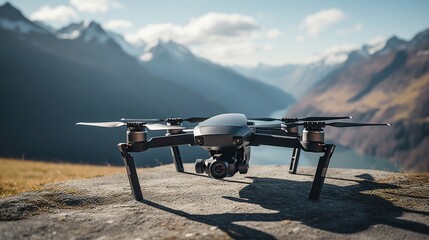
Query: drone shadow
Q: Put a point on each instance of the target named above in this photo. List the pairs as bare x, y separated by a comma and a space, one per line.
341, 209
224, 179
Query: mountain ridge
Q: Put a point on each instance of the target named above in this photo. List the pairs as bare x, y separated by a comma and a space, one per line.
48, 84
389, 86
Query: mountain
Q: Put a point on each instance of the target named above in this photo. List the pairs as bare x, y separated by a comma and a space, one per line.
297, 79
391, 85
84, 31
72, 31
13, 20
47, 84
75, 30
233, 91
136, 50
393, 44
294, 79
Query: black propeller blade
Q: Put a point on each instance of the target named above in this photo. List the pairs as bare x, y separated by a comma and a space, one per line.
307, 119
343, 124
336, 124
318, 124
268, 126
195, 119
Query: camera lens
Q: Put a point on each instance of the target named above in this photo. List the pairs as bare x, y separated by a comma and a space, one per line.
218, 169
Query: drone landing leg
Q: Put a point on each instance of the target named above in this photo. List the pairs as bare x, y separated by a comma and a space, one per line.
294, 161
177, 159
322, 167
132, 172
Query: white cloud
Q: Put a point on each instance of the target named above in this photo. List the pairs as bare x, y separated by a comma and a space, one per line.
315, 23
273, 33
232, 54
56, 16
94, 6
117, 24
300, 38
146, 57
211, 27
224, 38
333, 55
356, 28
376, 40
376, 43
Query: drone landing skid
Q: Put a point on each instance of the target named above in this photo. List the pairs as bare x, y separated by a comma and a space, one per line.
177, 159
322, 167
294, 161
131, 171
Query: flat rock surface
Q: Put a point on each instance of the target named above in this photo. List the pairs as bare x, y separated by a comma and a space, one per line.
266, 203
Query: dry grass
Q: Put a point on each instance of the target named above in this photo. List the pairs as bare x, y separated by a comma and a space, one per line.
18, 176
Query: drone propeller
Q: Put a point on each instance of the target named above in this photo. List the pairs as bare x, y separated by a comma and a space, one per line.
343, 124
307, 119
158, 126
191, 119
153, 127
318, 124
102, 124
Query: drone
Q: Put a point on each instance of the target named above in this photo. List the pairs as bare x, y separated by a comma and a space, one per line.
228, 138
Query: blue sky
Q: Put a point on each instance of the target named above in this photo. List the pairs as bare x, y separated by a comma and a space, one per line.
245, 32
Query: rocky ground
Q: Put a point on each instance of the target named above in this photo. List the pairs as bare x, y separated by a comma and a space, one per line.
267, 203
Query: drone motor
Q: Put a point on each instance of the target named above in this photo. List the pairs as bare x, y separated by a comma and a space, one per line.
136, 132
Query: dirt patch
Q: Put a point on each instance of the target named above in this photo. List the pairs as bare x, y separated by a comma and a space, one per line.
51, 198
267, 203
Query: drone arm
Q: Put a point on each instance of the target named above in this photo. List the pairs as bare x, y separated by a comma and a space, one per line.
171, 140
275, 140
278, 132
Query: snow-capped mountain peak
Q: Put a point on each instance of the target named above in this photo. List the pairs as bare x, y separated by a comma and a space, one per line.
13, 20
172, 49
94, 32
135, 50
392, 44
72, 31
86, 31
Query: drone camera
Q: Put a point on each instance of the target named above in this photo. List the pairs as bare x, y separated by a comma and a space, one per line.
214, 167
218, 169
